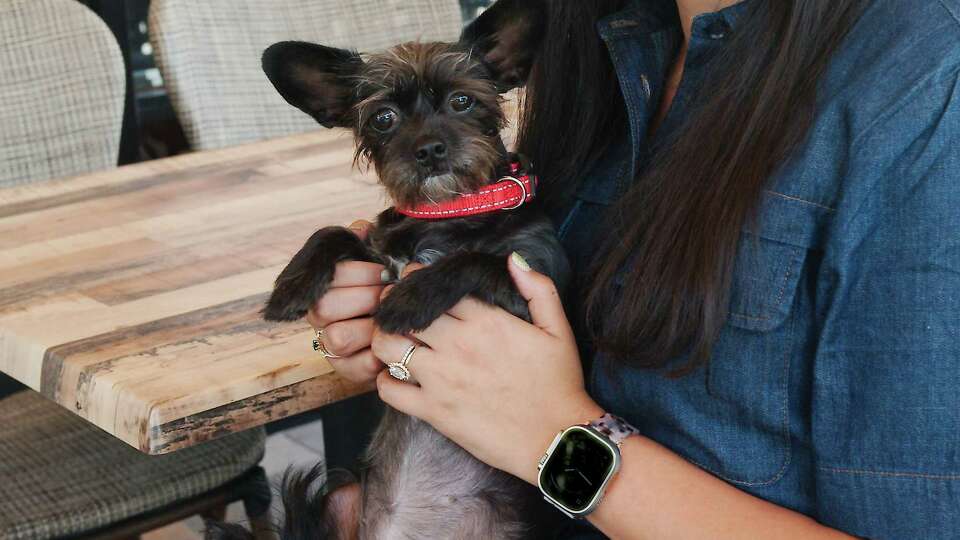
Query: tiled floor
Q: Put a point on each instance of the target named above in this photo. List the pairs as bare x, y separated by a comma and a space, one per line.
300, 446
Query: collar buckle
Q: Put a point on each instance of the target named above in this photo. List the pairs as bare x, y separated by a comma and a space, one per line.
523, 190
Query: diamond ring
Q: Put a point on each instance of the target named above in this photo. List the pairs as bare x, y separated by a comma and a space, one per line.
398, 370
319, 346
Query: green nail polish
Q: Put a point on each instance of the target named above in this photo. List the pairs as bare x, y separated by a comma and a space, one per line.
519, 261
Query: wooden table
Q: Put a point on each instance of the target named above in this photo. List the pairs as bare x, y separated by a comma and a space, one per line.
130, 297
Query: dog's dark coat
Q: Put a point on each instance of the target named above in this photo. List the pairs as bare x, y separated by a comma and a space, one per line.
416, 483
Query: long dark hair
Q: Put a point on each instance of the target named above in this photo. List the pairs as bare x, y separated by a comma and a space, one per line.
678, 228
572, 108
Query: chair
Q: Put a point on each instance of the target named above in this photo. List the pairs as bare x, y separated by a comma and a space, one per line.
64, 478
61, 108
62, 86
209, 54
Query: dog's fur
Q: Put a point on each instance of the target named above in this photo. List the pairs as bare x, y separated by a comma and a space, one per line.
415, 482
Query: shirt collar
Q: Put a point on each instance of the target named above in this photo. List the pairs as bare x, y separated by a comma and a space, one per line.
656, 15
641, 16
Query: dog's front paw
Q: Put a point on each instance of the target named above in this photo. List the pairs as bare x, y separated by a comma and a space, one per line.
295, 292
423, 296
309, 274
414, 303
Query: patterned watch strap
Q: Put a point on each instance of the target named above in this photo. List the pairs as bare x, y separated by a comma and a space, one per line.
615, 428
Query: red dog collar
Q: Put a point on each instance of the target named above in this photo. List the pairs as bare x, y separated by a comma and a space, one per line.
510, 193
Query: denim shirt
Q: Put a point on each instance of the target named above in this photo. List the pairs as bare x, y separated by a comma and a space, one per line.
834, 388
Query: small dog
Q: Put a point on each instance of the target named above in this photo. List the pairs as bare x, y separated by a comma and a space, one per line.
428, 116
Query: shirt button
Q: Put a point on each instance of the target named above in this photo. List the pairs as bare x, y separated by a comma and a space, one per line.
717, 29
645, 85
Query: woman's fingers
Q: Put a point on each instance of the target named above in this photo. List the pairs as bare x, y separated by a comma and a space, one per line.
357, 274
408, 269
402, 396
350, 341
439, 330
343, 338
542, 297
391, 348
344, 303
412, 267
361, 227
361, 367
469, 308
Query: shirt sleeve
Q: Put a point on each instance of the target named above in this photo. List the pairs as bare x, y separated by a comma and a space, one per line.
885, 416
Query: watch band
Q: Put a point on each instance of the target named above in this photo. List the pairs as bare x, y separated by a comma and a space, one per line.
614, 428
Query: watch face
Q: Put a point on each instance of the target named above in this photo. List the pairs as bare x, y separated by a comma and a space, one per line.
577, 469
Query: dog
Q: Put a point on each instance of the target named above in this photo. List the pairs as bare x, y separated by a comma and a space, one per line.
428, 116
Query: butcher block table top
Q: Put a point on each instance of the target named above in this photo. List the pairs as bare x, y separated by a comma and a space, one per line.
131, 297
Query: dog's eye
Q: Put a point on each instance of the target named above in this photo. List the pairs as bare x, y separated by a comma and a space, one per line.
461, 102
384, 120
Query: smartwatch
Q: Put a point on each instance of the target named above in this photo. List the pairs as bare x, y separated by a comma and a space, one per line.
578, 465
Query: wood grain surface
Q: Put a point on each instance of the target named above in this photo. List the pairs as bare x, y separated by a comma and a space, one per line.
131, 297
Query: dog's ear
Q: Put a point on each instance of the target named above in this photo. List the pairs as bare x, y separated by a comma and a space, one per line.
508, 35
317, 80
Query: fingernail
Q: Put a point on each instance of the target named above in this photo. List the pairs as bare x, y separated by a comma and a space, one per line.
519, 262
385, 275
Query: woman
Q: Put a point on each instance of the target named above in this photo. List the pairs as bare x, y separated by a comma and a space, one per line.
775, 301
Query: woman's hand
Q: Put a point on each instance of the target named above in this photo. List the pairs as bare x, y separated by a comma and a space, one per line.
344, 311
496, 385
502, 389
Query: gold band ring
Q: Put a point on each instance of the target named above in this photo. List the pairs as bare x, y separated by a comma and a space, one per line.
320, 347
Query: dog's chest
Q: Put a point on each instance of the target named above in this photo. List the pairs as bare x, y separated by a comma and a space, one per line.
396, 263
403, 243
400, 243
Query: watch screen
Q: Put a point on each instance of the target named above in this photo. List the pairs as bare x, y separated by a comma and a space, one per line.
576, 469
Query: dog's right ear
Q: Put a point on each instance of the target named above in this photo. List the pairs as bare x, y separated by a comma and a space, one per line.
508, 35
316, 79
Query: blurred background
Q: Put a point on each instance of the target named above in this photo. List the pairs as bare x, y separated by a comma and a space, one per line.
214, 96
150, 127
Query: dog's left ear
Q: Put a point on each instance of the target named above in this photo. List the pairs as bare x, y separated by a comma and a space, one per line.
316, 79
508, 34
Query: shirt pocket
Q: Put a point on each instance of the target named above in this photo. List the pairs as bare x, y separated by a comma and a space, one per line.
767, 331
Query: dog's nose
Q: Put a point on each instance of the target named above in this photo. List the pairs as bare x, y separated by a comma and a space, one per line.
430, 152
